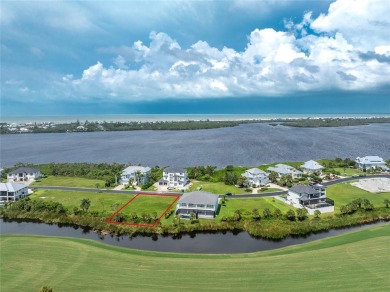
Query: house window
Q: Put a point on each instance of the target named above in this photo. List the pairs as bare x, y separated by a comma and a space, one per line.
183, 205
210, 206
192, 205
200, 205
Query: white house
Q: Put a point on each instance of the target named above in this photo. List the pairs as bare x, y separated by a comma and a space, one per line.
312, 166
256, 177
203, 204
282, 170
174, 177
12, 192
136, 175
311, 197
24, 174
368, 162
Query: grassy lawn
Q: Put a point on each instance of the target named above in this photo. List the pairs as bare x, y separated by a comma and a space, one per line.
246, 205
72, 199
357, 261
216, 188
344, 193
148, 204
66, 181
348, 171
269, 190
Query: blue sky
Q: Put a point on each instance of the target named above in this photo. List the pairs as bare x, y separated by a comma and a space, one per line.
269, 56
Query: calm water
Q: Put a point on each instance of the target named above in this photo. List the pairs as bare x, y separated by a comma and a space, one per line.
251, 144
240, 242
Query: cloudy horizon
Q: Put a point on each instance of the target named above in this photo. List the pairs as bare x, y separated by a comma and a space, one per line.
89, 53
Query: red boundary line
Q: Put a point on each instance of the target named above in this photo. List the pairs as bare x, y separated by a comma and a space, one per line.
109, 220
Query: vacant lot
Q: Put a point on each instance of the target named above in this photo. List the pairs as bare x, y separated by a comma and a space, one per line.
358, 261
71, 199
344, 193
65, 181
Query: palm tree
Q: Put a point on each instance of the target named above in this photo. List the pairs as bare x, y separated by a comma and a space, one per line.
255, 214
192, 217
85, 203
317, 214
386, 202
301, 213
267, 213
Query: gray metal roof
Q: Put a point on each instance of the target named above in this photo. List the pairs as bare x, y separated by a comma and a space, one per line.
302, 189
24, 170
199, 198
132, 169
11, 187
283, 169
175, 170
313, 165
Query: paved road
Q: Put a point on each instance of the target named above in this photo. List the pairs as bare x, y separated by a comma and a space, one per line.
271, 194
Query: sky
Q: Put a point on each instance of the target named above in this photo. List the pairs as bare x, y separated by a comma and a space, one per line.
239, 56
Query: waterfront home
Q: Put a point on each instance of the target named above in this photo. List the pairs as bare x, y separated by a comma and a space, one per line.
24, 174
135, 175
368, 162
312, 166
255, 177
175, 177
311, 197
202, 204
283, 170
12, 192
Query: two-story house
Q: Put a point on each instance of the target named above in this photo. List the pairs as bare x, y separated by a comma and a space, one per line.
12, 192
24, 174
256, 177
175, 177
312, 166
283, 170
202, 204
135, 175
368, 162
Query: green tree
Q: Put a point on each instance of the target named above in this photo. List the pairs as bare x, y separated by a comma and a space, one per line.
290, 215
301, 213
267, 213
277, 213
192, 217
317, 214
273, 177
85, 204
237, 215
386, 202
255, 215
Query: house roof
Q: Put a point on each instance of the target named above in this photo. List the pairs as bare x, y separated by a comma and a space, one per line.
370, 159
24, 170
11, 187
313, 165
175, 170
302, 189
283, 169
199, 198
132, 169
253, 172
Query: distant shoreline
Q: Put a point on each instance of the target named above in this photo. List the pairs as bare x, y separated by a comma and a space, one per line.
95, 126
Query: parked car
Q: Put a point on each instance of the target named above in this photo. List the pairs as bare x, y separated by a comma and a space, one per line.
355, 175
228, 194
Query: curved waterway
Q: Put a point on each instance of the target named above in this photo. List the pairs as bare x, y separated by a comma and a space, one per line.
211, 243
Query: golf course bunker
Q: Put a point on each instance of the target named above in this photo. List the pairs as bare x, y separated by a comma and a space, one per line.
374, 185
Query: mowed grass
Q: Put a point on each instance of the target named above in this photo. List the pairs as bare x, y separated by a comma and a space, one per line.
358, 261
246, 205
70, 199
149, 204
65, 181
218, 188
344, 193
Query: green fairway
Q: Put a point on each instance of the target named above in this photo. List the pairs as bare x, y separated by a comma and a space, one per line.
344, 193
246, 205
66, 181
71, 199
148, 204
358, 261
218, 188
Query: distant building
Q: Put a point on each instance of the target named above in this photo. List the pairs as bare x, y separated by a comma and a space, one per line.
135, 175
368, 162
24, 174
256, 177
174, 177
12, 192
203, 204
312, 166
283, 170
311, 197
